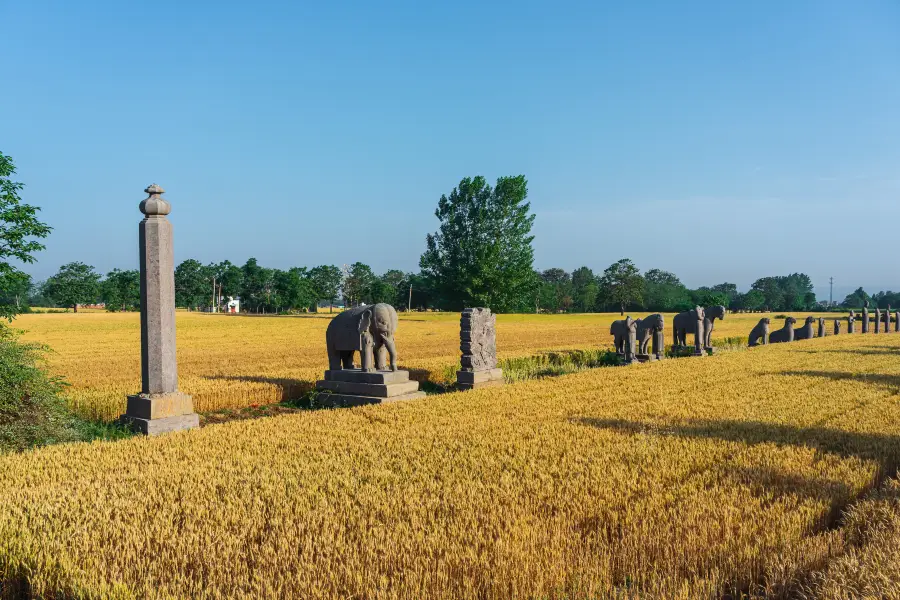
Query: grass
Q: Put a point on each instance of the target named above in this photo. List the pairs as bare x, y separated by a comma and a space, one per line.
759, 473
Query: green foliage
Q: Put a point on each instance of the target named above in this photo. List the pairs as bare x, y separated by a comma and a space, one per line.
482, 254
258, 286
293, 290
357, 284
555, 290
664, 292
121, 290
790, 292
856, 299
326, 282
193, 284
75, 283
31, 411
19, 231
621, 285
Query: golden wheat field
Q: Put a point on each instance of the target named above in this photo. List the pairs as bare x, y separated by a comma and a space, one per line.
689, 478
230, 362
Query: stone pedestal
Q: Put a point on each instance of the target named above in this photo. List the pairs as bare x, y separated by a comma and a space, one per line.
160, 407
472, 380
642, 358
354, 387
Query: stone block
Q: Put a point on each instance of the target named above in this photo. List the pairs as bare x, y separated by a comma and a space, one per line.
159, 406
359, 376
377, 390
350, 400
646, 357
160, 426
472, 380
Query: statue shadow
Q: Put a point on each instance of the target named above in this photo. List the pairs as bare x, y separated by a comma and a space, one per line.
423, 376
877, 379
291, 389
875, 350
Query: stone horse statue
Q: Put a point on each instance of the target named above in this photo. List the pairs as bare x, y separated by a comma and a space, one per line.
760, 333
805, 332
785, 334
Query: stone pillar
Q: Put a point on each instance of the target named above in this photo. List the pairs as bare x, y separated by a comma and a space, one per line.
821, 327
851, 323
659, 344
877, 319
887, 319
478, 344
837, 327
160, 407
896, 321
865, 318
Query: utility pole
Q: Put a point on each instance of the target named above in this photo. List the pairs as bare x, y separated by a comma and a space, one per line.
213, 306
830, 292
409, 304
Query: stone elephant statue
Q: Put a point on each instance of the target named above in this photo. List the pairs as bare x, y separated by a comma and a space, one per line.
368, 330
760, 333
785, 334
805, 332
688, 322
646, 329
624, 333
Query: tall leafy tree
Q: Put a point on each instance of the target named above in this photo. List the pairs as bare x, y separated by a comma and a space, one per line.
193, 284
75, 283
121, 290
556, 290
856, 299
663, 291
481, 254
20, 231
357, 284
229, 278
621, 284
326, 283
258, 286
292, 289
584, 289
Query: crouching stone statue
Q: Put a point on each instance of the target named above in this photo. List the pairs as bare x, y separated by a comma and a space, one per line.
760, 333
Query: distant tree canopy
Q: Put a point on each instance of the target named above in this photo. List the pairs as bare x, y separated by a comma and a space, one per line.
75, 283
20, 231
621, 285
789, 292
121, 290
481, 254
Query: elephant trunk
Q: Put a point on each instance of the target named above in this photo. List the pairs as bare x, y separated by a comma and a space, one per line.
392, 350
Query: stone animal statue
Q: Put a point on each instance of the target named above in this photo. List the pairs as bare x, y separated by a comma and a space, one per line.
785, 334
877, 319
837, 327
646, 329
368, 330
711, 313
865, 317
760, 333
687, 322
624, 332
805, 331
821, 327
851, 322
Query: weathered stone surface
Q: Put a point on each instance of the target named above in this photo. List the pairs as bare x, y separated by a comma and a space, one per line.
805, 331
648, 328
851, 322
368, 330
160, 407
785, 334
360, 376
865, 317
378, 390
821, 332
478, 339
624, 332
349, 400
692, 321
159, 426
877, 319
470, 380
837, 327
897, 321
646, 357
659, 345
760, 333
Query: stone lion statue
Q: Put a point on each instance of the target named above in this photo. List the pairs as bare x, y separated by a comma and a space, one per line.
760, 333
785, 334
805, 332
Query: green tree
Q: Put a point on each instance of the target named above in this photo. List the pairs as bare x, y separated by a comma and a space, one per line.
229, 278
75, 283
326, 283
258, 286
556, 290
193, 284
621, 284
19, 231
754, 300
856, 299
357, 284
121, 290
584, 289
663, 291
482, 254
14, 291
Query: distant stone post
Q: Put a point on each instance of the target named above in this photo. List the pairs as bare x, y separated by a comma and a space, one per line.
478, 344
821, 327
877, 319
887, 319
160, 407
837, 327
865, 317
851, 322
896, 321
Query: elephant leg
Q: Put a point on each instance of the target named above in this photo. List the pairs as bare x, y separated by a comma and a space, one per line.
347, 359
334, 359
378, 351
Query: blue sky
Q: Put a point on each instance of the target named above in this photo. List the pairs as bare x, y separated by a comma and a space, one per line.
720, 141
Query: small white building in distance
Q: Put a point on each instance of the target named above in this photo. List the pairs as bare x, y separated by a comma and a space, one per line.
233, 305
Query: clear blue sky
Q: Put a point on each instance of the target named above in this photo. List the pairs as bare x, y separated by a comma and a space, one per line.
722, 141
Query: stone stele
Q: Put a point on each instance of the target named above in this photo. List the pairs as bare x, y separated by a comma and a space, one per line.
160, 407
368, 330
478, 344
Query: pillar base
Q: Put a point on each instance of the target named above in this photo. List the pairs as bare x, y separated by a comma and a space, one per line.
152, 414
473, 380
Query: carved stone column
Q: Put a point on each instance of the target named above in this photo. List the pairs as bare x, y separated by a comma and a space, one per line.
478, 344
160, 407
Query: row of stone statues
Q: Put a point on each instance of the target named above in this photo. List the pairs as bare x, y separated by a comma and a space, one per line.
760, 334
631, 337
